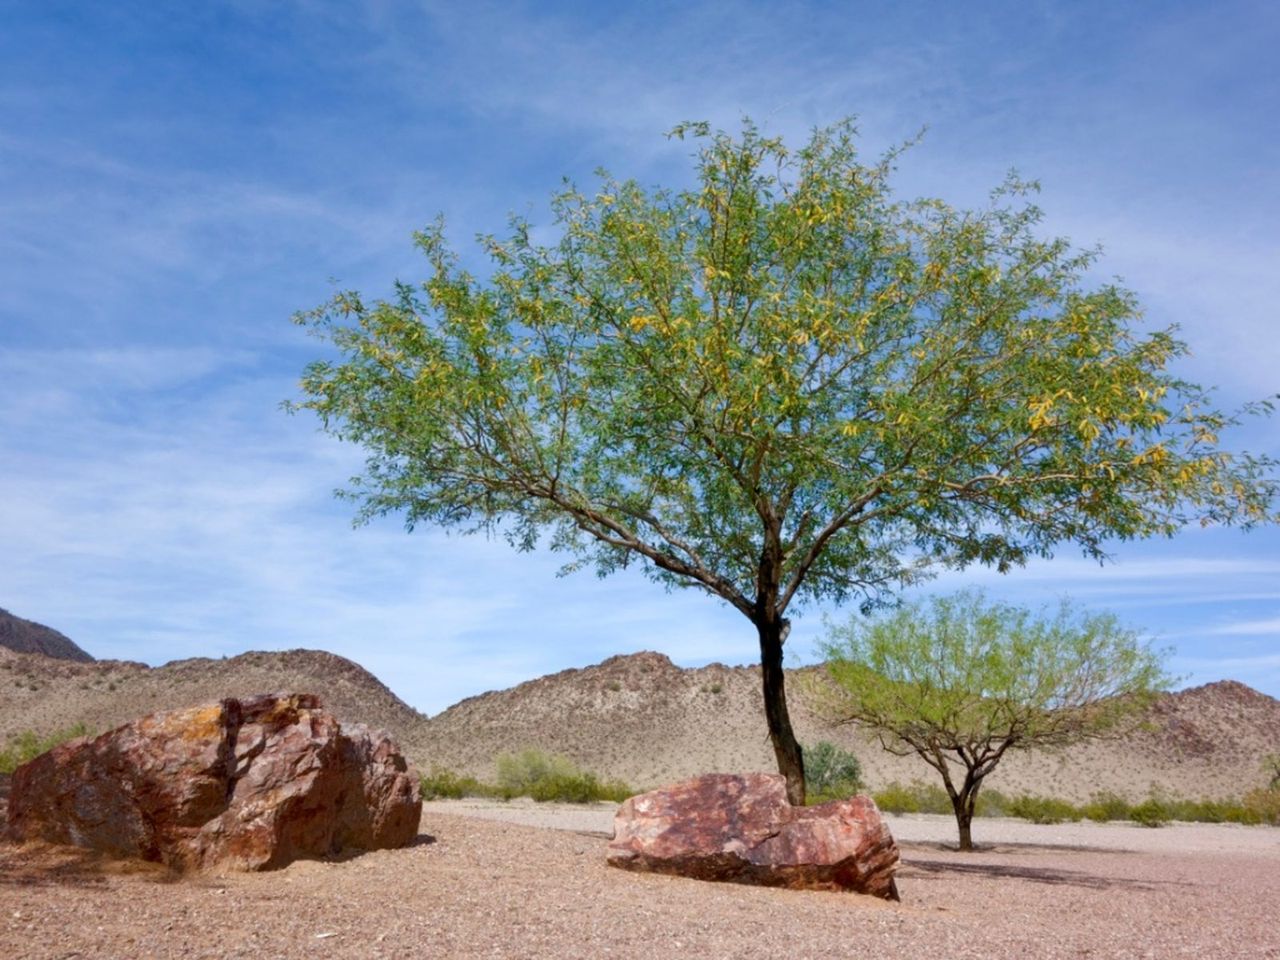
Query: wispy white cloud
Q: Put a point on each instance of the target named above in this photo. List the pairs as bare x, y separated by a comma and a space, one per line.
1250, 628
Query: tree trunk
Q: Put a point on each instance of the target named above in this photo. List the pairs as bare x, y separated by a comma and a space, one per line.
965, 822
963, 804
785, 746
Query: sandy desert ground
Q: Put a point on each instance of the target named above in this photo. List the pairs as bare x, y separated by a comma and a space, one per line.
526, 880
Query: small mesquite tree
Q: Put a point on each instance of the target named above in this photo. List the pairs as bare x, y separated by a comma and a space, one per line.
778, 386
960, 682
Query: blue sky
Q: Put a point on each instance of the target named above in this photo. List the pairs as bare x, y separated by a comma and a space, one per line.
177, 179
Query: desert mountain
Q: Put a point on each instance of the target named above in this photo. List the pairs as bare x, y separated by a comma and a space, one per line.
42, 694
27, 636
642, 719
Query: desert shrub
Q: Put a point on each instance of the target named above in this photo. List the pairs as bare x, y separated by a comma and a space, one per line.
1043, 809
441, 784
1264, 805
28, 745
917, 797
1203, 810
1105, 806
546, 777
1151, 812
992, 803
830, 773
520, 772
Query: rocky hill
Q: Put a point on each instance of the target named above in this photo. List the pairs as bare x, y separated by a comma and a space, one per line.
27, 636
42, 694
644, 720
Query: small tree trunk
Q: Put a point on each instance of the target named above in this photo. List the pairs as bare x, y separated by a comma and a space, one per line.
785, 746
963, 803
964, 821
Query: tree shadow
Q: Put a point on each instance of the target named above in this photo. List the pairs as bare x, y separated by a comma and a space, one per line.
1009, 846
919, 869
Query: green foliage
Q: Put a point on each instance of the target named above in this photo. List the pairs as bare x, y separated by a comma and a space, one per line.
831, 773
1106, 806
530, 773
1259, 806
1264, 804
782, 384
442, 784
1043, 809
546, 777
785, 347
1152, 812
961, 673
960, 681
27, 745
916, 797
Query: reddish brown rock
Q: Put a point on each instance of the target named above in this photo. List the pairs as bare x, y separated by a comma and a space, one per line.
247, 784
743, 830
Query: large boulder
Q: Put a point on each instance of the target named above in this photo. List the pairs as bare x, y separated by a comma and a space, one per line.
248, 784
740, 828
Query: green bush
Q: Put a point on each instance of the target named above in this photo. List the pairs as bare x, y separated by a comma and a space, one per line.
830, 773
28, 745
1261, 806
1106, 806
918, 797
530, 773
1043, 809
443, 784
1264, 804
1151, 812
546, 777
1204, 811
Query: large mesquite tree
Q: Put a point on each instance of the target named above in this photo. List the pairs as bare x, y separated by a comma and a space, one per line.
777, 386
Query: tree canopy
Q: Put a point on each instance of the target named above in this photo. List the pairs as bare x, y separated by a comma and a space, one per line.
777, 385
959, 681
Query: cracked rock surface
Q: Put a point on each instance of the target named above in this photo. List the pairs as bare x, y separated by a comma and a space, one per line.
248, 784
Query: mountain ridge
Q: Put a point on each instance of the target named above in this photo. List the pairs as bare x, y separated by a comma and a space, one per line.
26, 636
642, 719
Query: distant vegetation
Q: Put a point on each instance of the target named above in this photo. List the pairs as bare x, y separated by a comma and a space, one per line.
27, 745
530, 773
830, 773
834, 773
1260, 806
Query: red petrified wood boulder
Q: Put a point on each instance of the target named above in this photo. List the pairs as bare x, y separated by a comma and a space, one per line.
243, 784
742, 829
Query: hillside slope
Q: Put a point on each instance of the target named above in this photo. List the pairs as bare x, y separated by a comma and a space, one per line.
27, 636
43, 694
644, 720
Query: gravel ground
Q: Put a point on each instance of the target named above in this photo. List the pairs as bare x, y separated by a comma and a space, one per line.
487, 883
